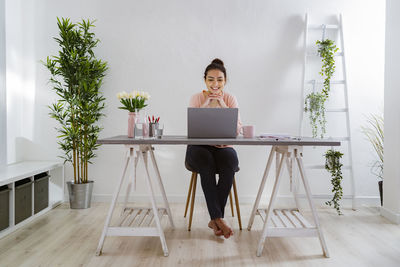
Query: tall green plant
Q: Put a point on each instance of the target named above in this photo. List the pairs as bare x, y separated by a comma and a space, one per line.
76, 76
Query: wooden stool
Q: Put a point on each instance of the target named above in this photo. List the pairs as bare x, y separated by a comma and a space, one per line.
192, 192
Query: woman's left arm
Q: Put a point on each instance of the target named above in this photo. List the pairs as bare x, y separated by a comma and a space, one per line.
232, 103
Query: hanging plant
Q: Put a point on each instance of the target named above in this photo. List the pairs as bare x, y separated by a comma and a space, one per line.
315, 102
327, 50
315, 106
334, 167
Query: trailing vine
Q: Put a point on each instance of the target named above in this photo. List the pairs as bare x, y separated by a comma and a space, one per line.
315, 105
334, 167
327, 49
315, 102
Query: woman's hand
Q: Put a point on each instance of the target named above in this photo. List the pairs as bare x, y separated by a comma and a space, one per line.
217, 97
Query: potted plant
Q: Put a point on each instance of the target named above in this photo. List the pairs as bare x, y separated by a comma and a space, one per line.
327, 50
76, 76
374, 133
314, 104
133, 102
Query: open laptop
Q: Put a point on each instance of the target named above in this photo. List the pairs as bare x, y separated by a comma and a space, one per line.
212, 122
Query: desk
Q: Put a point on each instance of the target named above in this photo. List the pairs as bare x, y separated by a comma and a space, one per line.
276, 222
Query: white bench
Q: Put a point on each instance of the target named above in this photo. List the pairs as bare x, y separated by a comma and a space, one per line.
10, 174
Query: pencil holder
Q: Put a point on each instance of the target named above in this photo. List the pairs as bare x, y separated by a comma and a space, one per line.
153, 126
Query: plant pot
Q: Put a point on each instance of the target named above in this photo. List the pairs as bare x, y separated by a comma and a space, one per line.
380, 184
332, 162
80, 195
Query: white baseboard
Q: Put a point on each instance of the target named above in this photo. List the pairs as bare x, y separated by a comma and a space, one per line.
390, 215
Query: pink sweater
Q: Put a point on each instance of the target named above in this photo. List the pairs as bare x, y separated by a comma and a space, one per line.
198, 99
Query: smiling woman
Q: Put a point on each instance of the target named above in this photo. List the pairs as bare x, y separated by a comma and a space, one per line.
215, 79
210, 160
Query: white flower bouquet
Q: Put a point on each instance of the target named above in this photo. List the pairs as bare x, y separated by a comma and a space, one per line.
134, 101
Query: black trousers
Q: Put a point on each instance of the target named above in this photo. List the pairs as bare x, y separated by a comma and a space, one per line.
209, 161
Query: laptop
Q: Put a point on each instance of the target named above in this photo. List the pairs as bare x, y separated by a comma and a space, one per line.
212, 122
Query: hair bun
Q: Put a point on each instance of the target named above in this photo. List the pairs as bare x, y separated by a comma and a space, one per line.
217, 61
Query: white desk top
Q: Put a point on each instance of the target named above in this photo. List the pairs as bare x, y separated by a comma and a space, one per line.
20, 170
183, 140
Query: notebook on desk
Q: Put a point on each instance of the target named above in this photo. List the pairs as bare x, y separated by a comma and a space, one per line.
212, 122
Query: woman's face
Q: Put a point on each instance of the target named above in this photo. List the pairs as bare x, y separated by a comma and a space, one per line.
215, 81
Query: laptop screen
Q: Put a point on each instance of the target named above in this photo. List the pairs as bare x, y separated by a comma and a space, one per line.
212, 122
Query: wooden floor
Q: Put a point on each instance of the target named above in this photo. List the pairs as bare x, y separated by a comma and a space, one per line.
65, 237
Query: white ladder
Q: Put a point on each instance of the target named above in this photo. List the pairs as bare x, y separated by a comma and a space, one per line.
306, 82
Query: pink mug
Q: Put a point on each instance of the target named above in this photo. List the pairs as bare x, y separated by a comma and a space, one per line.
248, 131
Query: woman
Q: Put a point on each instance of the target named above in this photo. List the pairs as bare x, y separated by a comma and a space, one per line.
210, 160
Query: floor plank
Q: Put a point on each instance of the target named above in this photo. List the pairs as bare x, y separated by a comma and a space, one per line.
65, 237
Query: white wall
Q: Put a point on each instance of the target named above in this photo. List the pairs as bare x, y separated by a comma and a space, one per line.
163, 47
391, 184
3, 102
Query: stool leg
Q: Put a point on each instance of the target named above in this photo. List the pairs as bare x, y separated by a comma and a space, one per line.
188, 196
237, 204
192, 203
231, 202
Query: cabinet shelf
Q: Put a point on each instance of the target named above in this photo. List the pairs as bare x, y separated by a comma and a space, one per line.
49, 193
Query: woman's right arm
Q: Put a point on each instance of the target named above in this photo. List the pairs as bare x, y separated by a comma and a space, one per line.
194, 101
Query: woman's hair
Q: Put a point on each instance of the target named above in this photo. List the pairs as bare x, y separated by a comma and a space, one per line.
216, 64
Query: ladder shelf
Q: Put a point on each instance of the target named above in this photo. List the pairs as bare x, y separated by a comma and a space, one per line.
345, 109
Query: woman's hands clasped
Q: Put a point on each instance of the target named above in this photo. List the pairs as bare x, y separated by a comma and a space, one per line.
213, 97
